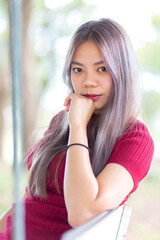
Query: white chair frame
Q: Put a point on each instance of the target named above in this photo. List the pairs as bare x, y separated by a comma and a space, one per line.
109, 225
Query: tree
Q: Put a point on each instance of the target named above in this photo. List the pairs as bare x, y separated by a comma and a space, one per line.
28, 74
4, 70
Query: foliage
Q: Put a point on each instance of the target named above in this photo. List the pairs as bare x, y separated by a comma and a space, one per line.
149, 58
152, 98
50, 26
156, 22
151, 112
149, 55
47, 27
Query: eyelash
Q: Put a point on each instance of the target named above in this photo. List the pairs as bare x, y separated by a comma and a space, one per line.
103, 68
75, 69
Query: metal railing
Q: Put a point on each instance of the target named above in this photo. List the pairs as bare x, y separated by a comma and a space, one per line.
17, 103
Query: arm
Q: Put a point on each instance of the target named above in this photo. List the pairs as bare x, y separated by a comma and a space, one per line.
85, 195
5, 215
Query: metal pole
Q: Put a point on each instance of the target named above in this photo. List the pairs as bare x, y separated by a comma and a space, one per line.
17, 103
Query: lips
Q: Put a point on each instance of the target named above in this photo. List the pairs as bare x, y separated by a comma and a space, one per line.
93, 97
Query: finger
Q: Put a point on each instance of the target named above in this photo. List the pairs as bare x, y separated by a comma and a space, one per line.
67, 108
67, 101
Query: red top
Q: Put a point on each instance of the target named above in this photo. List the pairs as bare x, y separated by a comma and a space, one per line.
47, 219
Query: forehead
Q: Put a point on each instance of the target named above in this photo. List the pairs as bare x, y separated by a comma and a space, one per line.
87, 50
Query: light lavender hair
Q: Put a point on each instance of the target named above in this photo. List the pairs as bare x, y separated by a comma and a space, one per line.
125, 101
119, 113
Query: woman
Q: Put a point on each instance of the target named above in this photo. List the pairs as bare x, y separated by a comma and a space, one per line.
95, 153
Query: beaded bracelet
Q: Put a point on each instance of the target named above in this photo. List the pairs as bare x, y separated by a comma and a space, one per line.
79, 145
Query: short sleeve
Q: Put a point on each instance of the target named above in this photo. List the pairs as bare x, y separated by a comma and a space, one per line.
134, 151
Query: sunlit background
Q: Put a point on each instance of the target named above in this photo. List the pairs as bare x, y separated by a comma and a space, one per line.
48, 27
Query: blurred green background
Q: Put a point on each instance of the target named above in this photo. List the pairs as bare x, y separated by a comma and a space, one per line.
47, 28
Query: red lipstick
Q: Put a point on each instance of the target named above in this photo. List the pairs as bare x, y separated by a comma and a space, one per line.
93, 97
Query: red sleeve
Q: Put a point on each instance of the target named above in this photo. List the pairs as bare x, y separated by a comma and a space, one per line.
52, 126
134, 151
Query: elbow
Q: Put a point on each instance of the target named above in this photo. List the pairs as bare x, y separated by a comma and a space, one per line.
73, 222
78, 218
80, 215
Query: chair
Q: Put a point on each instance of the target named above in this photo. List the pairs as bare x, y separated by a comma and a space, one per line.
109, 225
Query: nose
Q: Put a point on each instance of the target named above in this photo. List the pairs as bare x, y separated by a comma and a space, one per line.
90, 80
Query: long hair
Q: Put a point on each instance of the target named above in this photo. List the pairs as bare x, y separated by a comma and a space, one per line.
121, 110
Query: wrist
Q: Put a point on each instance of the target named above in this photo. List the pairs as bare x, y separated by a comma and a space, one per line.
78, 134
78, 144
77, 128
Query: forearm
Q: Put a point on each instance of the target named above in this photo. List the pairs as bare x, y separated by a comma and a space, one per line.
80, 184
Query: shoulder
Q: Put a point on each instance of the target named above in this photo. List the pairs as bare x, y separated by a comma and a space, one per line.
136, 138
135, 143
136, 130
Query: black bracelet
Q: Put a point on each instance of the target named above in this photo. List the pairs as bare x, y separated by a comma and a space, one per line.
79, 145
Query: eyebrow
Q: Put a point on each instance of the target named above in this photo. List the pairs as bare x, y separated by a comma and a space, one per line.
80, 64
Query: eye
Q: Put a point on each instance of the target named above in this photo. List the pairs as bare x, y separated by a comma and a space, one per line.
77, 70
102, 69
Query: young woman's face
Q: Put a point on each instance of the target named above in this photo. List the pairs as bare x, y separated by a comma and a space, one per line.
89, 75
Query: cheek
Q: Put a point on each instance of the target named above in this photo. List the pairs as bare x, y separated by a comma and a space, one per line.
73, 83
111, 86
110, 83
108, 86
76, 85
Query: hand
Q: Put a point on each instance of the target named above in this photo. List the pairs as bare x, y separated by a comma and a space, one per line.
80, 109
